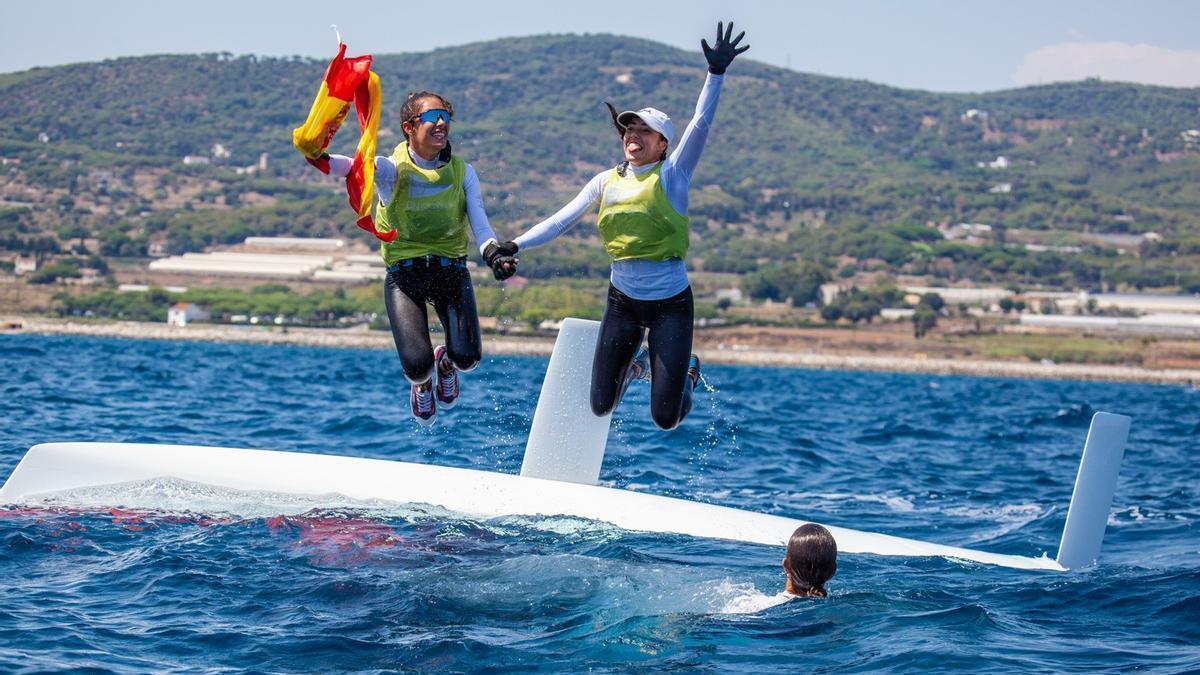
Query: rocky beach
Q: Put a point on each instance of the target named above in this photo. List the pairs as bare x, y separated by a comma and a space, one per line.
710, 350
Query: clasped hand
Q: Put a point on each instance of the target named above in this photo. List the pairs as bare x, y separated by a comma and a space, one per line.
500, 257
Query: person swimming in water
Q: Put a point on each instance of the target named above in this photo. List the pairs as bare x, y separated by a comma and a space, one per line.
643, 222
811, 561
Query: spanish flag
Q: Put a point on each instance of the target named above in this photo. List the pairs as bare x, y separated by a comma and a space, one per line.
347, 80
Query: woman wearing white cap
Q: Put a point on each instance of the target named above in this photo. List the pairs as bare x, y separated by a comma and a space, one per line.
643, 222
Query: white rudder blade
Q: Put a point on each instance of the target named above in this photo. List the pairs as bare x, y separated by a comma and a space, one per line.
1095, 484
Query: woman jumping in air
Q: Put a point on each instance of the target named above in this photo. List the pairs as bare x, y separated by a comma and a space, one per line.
429, 197
644, 225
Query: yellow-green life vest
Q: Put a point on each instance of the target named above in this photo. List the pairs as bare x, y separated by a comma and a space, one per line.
637, 220
431, 225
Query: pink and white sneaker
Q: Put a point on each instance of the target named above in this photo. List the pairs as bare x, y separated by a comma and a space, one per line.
447, 379
423, 407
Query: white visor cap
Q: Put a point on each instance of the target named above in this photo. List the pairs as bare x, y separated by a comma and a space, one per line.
653, 117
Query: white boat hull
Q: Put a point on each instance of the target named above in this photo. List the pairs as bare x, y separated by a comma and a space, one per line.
562, 463
61, 467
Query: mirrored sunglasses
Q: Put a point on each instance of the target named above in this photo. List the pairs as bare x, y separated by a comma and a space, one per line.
435, 115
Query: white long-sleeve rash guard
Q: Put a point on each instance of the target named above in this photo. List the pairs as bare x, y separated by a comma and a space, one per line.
385, 178
644, 279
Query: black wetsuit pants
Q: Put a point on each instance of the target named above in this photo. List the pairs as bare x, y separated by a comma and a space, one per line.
444, 283
625, 322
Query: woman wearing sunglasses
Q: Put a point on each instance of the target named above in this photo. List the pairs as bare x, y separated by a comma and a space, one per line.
643, 223
430, 198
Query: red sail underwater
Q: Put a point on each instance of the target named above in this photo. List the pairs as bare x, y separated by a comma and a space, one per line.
347, 81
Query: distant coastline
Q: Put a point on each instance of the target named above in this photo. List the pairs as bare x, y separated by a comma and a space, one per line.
541, 346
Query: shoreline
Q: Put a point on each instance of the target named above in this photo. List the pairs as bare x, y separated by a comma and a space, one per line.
539, 346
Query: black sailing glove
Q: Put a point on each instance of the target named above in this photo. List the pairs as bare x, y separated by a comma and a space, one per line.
724, 51
500, 258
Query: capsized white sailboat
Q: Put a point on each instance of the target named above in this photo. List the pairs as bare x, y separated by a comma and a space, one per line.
558, 477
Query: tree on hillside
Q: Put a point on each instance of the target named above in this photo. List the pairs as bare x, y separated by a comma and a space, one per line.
831, 312
115, 243
55, 271
801, 281
924, 319
933, 301
925, 314
71, 230
855, 305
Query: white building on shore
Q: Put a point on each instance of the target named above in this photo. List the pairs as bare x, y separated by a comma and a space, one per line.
1161, 324
1136, 303
289, 258
182, 313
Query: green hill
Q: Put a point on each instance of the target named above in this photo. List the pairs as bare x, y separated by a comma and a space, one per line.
798, 166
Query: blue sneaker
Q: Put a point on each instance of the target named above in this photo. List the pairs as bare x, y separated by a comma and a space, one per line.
640, 368
694, 369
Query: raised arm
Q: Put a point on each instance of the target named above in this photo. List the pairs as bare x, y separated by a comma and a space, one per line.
678, 168
686, 155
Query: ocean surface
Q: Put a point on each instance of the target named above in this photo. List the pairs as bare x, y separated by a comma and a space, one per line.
170, 576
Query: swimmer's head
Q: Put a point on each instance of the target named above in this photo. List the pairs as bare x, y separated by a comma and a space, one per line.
811, 561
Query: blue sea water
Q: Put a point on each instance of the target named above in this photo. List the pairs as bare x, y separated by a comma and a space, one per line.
209, 580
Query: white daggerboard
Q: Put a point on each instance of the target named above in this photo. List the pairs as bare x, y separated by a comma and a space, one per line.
566, 441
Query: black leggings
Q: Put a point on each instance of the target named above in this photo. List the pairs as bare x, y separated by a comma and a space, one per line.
444, 283
670, 341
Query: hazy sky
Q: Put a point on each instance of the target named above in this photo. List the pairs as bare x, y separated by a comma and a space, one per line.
963, 45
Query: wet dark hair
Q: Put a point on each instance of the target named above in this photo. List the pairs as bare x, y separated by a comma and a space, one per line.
811, 560
408, 112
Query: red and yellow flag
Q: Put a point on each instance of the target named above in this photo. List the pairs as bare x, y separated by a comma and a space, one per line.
347, 81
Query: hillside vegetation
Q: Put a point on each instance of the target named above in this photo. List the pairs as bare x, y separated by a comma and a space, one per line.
801, 170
